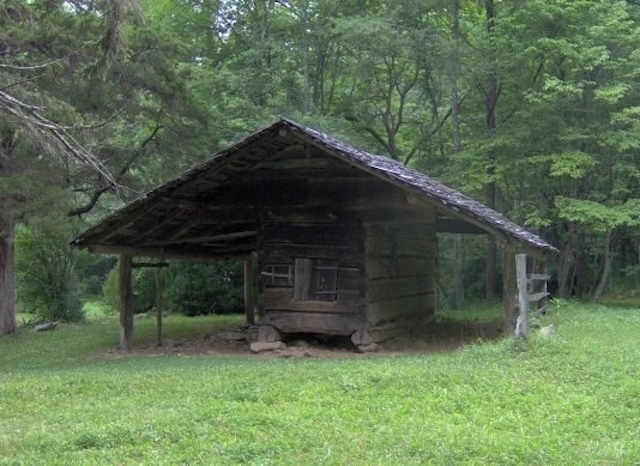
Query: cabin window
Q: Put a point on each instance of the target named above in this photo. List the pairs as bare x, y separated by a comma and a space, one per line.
316, 280
277, 276
324, 280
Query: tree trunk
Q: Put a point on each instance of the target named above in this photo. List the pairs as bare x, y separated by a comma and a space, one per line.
7, 294
490, 113
305, 50
458, 282
565, 263
606, 269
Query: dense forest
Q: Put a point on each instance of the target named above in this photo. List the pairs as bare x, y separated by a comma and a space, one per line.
532, 107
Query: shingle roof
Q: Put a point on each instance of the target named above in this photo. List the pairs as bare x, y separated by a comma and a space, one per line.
449, 200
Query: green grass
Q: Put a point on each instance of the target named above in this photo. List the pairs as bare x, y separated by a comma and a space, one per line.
96, 309
571, 399
476, 312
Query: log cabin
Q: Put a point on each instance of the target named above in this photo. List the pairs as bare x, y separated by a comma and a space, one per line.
340, 241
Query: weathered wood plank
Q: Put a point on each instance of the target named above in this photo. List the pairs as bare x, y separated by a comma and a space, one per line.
304, 164
387, 267
289, 251
303, 270
249, 287
126, 303
201, 239
202, 254
510, 288
522, 326
413, 246
390, 288
425, 228
387, 214
306, 215
322, 234
263, 192
294, 322
402, 308
348, 302
159, 304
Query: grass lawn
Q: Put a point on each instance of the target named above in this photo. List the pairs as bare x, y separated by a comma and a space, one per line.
570, 399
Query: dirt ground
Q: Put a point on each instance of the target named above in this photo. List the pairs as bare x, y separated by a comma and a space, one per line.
438, 337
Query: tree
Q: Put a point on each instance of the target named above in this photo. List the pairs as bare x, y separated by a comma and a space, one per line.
36, 122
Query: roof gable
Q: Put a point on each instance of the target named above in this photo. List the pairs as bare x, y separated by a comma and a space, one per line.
183, 195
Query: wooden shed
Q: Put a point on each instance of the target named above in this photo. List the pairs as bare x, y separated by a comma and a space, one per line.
343, 242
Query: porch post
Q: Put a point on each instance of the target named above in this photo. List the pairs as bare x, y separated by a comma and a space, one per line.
126, 302
522, 326
510, 288
249, 283
159, 304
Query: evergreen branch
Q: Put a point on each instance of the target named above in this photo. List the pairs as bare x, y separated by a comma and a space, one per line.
18, 83
29, 68
95, 197
44, 132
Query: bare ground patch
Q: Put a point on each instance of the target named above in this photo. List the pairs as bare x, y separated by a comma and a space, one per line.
437, 337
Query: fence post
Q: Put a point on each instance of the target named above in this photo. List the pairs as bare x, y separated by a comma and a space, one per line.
522, 327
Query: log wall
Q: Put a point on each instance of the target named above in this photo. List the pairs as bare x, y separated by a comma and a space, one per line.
339, 250
311, 276
400, 273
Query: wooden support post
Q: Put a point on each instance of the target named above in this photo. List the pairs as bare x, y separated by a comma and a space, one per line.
522, 325
126, 303
510, 288
249, 285
159, 304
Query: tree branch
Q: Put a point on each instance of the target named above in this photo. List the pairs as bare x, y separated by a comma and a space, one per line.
95, 197
38, 126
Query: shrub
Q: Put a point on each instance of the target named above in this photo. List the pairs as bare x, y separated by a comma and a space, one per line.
47, 283
195, 288
190, 288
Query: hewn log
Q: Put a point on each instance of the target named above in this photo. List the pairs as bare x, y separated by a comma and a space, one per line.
288, 252
201, 239
510, 288
397, 287
313, 233
298, 322
403, 308
126, 303
159, 304
522, 326
302, 284
205, 254
249, 287
282, 299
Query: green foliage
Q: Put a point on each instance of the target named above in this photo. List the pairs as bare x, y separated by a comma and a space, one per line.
599, 217
47, 281
205, 288
195, 76
190, 288
569, 399
144, 290
111, 290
